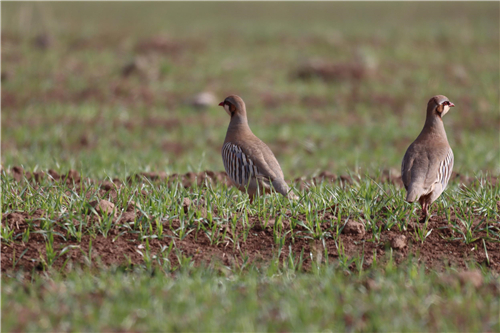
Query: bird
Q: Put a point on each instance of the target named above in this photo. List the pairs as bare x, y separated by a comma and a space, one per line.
249, 162
428, 161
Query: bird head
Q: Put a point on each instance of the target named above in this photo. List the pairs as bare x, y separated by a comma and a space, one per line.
439, 105
234, 105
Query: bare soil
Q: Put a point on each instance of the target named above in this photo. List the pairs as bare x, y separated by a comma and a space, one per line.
437, 252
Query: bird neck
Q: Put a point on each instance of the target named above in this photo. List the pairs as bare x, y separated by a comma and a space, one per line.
434, 126
237, 127
238, 120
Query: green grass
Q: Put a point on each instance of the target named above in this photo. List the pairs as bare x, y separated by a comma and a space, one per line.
69, 106
469, 210
258, 299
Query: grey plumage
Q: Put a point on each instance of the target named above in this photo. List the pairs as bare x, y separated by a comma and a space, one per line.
248, 161
428, 162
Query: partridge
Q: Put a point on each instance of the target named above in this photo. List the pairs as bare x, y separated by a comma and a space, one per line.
248, 161
427, 164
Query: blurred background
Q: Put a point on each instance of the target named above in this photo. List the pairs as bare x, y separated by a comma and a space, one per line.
115, 88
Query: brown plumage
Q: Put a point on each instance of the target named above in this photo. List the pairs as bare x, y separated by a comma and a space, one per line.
248, 161
428, 162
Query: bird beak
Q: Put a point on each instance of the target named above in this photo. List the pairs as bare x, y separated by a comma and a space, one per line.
451, 104
221, 104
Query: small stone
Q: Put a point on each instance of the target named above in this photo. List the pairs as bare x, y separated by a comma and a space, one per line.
354, 228
473, 277
203, 100
398, 242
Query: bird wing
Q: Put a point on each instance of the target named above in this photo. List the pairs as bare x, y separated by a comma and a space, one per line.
244, 162
423, 168
439, 166
239, 166
266, 161
406, 168
414, 167
445, 169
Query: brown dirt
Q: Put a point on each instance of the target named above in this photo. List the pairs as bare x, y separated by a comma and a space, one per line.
327, 71
436, 252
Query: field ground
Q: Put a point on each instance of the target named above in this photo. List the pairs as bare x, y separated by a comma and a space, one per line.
110, 220
152, 218
254, 299
72, 236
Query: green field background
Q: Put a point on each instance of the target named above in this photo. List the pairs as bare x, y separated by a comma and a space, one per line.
66, 102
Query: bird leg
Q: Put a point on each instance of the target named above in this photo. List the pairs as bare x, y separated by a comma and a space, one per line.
425, 210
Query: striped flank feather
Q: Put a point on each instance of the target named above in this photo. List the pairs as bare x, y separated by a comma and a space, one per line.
445, 168
239, 167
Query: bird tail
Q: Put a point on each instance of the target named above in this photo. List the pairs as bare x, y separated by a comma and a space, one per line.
281, 187
412, 195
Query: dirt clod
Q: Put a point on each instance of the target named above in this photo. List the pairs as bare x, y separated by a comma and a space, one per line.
331, 71
354, 228
153, 176
14, 219
128, 216
17, 173
54, 175
158, 44
104, 207
38, 176
186, 202
371, 284
473, 277
43, 41
142, 66
5, 76
196, 205
398, 242
73, 176
132, 206
108, 186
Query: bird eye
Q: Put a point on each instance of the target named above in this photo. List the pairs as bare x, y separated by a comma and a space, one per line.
446, 103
